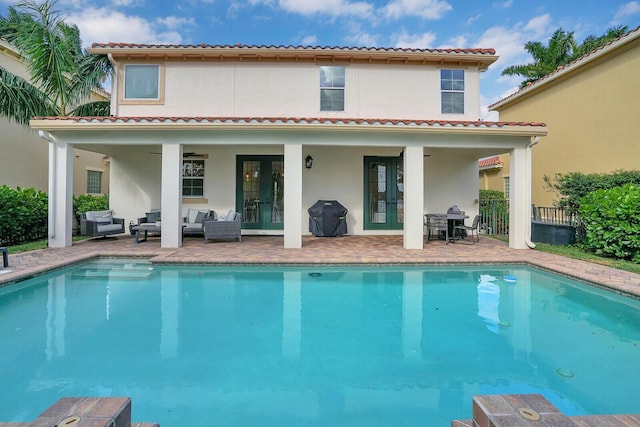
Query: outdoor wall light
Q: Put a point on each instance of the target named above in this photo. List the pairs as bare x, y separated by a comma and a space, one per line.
308, 162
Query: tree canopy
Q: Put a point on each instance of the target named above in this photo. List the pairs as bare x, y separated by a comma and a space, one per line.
561, 49
62, 73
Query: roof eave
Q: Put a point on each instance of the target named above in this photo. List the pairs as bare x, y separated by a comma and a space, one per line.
491, 128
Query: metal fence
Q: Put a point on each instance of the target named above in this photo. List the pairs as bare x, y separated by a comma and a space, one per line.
494, 216
550, 215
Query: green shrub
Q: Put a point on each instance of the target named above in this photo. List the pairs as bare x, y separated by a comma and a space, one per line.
88, 202
572, 187
23, 215
611, 221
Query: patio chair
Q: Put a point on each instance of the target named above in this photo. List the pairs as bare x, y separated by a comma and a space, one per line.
469, 229
100, 224
226, 227
436, 223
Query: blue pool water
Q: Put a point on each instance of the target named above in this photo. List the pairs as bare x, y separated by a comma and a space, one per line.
245, 346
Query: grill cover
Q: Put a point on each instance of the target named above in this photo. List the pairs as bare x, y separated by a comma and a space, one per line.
327, 218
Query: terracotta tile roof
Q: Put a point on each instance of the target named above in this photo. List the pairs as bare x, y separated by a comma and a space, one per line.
293, 120
489, 162
320, 49
584, 59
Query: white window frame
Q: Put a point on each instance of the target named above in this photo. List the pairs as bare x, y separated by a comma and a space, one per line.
194, 177
450, 86
89, 171
122, 82
333, 86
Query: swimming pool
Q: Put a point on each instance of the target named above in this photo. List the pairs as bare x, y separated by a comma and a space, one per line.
204, 346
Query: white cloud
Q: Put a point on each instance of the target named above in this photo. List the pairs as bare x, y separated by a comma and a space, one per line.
105, 25
309, 41
175, 22
625, 10
539, 25
473, 19
324, 7
457, 41
362, 38
418, 41
428, 9
508, 43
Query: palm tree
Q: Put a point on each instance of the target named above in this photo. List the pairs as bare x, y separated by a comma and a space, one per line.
62, 74
546, 59
561, 50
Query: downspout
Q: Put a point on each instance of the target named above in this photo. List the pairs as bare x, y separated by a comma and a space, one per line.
527, 238
52, 181
114, 84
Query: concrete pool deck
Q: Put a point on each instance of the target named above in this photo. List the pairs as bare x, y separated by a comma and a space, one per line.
316, 250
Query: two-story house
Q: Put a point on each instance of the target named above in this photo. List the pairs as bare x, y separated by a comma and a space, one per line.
24, 159
269, 130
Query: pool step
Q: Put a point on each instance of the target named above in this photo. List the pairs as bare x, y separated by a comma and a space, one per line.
111, 272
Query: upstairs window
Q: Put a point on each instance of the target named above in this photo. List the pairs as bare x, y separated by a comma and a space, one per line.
142, 82
332, 88
452, 91
192, 178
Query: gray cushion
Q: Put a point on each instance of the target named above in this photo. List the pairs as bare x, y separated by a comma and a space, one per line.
109, 227
101, 217
200, 217
230, 216
153, 216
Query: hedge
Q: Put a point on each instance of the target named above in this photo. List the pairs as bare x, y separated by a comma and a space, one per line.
23, 215
611, 220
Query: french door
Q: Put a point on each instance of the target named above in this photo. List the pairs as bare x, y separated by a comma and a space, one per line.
260, 191
383, 193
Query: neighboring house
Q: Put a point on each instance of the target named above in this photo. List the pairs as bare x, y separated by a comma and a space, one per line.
24, 156
269, 130
592, 111
491, 174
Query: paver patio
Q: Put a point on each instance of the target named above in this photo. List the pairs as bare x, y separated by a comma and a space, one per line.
316, 250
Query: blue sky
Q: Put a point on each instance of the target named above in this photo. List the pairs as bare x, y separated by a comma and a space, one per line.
504, 25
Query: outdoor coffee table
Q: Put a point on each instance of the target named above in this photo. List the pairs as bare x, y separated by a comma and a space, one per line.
146, 228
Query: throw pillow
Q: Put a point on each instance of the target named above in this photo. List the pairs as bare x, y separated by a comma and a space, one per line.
200, 217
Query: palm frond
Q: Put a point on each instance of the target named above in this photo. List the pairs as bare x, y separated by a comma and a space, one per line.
92, 109
20, 101
91, 73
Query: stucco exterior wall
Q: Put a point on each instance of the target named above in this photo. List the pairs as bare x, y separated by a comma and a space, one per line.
592, 116
292, 90
337, 173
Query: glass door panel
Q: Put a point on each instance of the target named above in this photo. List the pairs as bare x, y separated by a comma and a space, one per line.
277, 189
384, 193
260, 191
251, 191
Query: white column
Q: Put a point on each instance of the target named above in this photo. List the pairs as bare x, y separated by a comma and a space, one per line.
171, 195
413, 197
292, 314
60, 193
519, 198
293, 195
